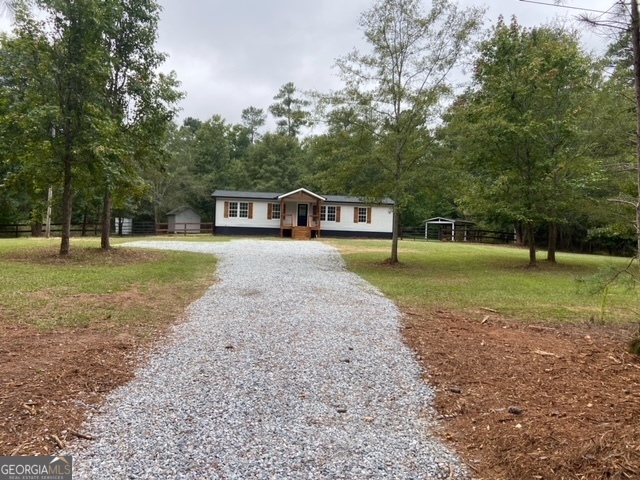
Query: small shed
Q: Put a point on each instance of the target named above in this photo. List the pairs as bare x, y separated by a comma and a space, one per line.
123, 226
447, 229
183, 220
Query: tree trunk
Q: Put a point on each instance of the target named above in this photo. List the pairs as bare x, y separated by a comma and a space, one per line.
84, 223
532, 245
553, 240
395, 236
635, 35
105, 241
67, 199
36, 229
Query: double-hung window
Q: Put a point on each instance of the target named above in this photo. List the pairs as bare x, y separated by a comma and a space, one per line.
275, 211
238, 209
328, 213
331, 213
233, 209
362, 215
243, 210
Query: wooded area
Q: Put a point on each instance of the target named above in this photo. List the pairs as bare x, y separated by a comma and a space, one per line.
541, 142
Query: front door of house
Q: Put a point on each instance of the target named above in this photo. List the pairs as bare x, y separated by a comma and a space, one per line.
303, 214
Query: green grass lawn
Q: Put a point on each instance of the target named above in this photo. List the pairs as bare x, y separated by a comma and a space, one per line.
460, 276
96, 288
93, 288
203, 237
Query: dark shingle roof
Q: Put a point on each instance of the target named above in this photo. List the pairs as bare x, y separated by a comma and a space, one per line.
238, 194
273, 196
342, 199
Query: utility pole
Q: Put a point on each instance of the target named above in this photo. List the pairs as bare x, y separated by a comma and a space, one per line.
48, 221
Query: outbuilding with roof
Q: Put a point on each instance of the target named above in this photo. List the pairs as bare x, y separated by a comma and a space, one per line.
183, 220
449, 229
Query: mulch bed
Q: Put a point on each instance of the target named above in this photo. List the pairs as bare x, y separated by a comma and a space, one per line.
517, 401
529, 401
48, 380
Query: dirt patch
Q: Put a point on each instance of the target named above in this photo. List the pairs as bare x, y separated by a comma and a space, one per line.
105, 311
529, 401
346, 249
49, 379
83, 256
52, 371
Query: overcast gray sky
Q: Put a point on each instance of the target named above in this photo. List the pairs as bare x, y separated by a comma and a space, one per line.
231, 54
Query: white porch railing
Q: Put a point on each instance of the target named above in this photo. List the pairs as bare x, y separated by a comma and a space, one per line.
291, 220
287, 220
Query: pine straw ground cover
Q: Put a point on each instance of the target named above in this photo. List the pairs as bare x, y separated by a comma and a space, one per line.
71, 329
530, 382
490, 333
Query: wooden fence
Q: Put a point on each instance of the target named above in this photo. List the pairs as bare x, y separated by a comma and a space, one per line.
16, 230
180, 228
476, 236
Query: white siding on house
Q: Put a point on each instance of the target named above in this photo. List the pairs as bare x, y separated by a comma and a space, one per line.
259, 219
381, 216
381, 219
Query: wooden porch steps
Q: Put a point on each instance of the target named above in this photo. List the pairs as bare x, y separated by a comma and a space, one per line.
301, 233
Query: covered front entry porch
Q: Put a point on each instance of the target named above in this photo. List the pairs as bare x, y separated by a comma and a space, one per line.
300, 214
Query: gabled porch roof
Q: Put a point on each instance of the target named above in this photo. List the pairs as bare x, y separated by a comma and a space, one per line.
301, 192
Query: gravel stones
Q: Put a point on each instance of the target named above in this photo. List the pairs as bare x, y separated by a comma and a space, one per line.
255, 383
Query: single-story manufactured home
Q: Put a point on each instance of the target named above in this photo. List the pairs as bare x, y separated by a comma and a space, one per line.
300, 214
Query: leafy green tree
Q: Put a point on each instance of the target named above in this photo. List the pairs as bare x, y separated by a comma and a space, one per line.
141, 101
520, 131
212, 157
253, 119
89, 107
329, 164
240, 141
609, 126
289, 111
18, 196
57, 118
192, 124
392, 94
624, 16
273, 163
27, 168
173, 182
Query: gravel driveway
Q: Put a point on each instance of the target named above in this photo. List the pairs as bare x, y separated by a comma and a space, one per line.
289, 367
